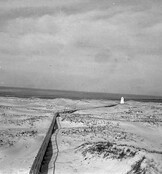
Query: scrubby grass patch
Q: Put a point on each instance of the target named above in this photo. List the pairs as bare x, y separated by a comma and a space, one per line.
107, 150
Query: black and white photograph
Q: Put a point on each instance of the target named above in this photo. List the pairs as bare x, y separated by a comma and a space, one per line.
80, 86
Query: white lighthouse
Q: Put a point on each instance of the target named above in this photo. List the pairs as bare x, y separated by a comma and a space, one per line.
122, 100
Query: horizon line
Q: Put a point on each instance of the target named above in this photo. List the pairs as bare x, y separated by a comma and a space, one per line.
92, 92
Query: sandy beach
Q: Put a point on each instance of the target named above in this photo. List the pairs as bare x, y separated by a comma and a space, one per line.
120, 139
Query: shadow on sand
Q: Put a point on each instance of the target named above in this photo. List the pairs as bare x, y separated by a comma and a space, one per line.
47, 159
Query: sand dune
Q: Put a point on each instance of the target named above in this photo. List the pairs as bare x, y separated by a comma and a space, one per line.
122, 139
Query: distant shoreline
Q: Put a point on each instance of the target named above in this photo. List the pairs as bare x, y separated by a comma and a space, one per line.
52, 94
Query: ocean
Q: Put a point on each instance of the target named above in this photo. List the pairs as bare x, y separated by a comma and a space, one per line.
51, 94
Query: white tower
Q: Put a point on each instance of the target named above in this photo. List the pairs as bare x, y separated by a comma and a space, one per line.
122, 100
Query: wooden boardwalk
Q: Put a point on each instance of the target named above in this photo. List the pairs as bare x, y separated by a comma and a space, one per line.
46, 151
44, 162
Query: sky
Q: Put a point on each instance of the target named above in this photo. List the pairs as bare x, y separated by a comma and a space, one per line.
112, 46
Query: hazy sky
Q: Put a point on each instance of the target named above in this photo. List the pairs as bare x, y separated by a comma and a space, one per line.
87, 45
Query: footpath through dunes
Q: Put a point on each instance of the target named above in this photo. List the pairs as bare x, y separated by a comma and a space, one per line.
50, 156
47, 155
24, 123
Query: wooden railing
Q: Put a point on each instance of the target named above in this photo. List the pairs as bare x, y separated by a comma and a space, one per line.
39, 158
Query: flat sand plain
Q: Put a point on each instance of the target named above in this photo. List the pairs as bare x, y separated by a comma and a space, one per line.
121, 139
